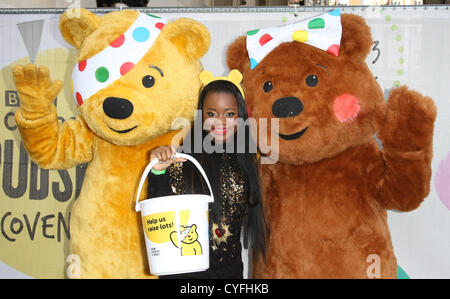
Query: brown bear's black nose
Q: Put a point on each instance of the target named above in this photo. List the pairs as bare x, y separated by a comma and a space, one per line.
287, 107
117, 107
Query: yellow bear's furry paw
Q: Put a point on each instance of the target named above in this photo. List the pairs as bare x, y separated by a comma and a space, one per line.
36, 90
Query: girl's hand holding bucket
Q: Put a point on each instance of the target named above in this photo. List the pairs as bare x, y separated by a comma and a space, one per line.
176, 227
165, 156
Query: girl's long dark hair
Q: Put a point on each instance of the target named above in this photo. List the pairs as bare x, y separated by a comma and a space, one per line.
254, 220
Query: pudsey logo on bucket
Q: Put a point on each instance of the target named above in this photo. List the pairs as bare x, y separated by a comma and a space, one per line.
175, 227
189, 240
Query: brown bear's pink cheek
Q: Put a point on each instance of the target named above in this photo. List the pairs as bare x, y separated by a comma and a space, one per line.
249, 111
346, 107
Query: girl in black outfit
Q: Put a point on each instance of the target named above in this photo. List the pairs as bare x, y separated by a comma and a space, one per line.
233, 173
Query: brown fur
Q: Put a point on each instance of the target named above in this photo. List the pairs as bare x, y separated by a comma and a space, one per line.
327, 195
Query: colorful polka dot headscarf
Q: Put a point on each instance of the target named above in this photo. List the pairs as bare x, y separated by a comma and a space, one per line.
101, 70
185, 233
323, 32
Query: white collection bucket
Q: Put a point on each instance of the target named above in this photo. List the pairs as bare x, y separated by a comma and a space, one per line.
176, 229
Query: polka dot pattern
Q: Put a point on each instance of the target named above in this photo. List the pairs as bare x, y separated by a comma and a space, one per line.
334, 50
153, 16
118, 42
317, 23
300, 36
101, 70
141, 34
335, 13
264, 39
82, 65
102, 74
253, 63
159, 25
398, 39
79, 98
323, 32
252, 32
126, 67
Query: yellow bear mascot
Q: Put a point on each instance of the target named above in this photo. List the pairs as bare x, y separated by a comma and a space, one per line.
134, 75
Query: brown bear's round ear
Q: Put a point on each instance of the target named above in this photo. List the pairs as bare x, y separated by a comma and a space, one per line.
190, 37
76, 24
237, 55
356, 41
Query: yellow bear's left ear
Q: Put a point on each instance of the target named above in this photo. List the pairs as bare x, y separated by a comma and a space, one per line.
76, 24
189, 36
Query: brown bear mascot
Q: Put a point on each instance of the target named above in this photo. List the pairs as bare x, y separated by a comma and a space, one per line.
327, 194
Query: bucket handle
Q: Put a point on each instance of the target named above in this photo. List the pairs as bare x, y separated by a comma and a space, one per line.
156, 161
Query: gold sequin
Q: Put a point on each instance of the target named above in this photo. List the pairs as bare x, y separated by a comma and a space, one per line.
230, 208
176, 178
233, 188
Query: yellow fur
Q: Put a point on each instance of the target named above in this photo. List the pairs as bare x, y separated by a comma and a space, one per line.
75, 25
105, 230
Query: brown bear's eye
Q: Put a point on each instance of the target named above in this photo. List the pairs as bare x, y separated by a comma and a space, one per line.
268, 86
312, 80
148, 81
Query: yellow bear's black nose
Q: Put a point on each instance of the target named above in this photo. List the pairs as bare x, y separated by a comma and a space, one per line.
117, 107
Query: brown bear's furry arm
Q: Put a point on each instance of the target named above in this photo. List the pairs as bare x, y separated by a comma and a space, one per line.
406, 132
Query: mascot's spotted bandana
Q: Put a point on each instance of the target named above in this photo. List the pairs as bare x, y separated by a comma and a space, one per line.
323, 32
93, 74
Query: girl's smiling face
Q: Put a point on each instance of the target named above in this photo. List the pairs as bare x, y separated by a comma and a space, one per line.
220, 113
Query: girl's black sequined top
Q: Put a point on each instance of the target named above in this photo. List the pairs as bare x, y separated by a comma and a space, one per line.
226, 216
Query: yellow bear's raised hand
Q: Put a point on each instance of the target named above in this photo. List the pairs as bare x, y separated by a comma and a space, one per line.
35, 88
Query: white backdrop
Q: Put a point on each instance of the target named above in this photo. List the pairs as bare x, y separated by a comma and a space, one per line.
412, 47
